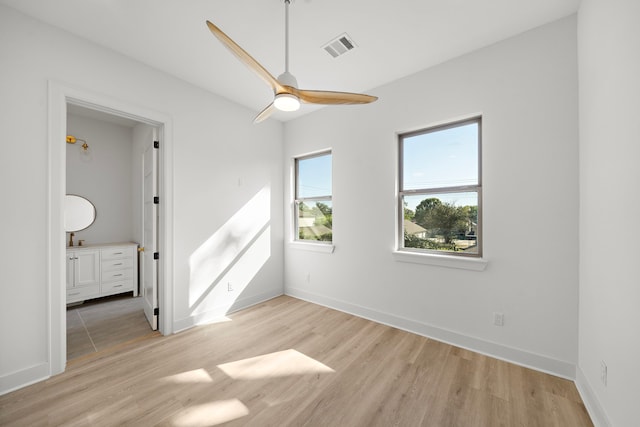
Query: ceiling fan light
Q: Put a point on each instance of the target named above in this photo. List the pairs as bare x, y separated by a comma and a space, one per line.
286, 102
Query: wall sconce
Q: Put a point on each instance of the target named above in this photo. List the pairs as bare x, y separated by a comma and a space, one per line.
85, 153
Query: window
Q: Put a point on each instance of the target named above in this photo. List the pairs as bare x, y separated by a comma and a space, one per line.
440, 192
313, 209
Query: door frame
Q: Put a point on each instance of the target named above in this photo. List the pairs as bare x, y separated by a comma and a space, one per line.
59, 96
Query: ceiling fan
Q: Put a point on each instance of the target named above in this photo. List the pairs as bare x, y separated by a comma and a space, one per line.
287, 96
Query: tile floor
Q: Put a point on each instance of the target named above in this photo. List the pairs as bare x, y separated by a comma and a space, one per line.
102, 323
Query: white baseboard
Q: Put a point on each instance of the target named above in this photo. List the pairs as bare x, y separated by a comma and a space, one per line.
527, 359
23, 378
219, 313
596, 411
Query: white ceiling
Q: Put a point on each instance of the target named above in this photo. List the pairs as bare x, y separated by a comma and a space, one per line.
394, 38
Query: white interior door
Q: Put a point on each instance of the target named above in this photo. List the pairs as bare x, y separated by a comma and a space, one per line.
150, 239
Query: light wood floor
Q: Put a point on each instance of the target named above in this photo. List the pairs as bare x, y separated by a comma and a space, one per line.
103, 323
286, 362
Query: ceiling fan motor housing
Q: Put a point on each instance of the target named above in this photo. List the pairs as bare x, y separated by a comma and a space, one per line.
287, 79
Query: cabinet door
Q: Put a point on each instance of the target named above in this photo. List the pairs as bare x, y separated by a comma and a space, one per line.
87, 271
71, 270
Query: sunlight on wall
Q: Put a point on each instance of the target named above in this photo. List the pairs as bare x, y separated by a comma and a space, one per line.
210, 414
188, 377
234, 254
279, 364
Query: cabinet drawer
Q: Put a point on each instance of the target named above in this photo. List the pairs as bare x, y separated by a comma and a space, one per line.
117, 253
116, 287
81, 293
117, 264
117, 275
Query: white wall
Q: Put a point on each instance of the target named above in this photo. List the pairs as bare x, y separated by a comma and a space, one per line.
609, 68
221, 161
526, 90
104, 177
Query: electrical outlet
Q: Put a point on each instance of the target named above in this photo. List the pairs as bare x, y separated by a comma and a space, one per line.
498, 318
229, 287
603, 372
308, 277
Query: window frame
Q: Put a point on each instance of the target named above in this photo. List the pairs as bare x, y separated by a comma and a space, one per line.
439, 190
297, 200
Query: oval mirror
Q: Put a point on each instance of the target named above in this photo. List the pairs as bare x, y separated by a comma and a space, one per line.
79, 213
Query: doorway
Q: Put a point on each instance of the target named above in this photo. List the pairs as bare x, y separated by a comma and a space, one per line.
60, 97
110, 162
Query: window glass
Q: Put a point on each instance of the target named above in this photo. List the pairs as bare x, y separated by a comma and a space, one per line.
313, 206
444, 158
440, 192
315, 220
314, 176
441, 222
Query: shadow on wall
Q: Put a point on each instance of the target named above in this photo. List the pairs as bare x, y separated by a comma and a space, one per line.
222, 267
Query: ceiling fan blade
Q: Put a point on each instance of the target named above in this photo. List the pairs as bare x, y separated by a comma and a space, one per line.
332, 98
245, 57
264, 114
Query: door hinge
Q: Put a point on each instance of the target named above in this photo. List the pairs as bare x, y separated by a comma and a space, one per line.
156, 255
156, 144
156, 311
156, 200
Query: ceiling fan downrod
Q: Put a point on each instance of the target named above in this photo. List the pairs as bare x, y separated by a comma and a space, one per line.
287, 78
286, 101
286, 35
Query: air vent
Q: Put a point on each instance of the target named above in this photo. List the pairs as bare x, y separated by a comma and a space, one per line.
340, 45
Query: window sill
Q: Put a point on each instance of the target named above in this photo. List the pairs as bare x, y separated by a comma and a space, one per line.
464, 263
326, 248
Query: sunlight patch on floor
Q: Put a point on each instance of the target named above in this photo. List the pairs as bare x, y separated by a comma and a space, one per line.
279, 364
222, 319
211, 414
188, 377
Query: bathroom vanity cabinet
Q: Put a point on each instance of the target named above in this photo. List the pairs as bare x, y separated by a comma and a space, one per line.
100, 270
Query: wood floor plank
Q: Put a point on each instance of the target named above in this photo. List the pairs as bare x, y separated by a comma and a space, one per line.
287, 362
